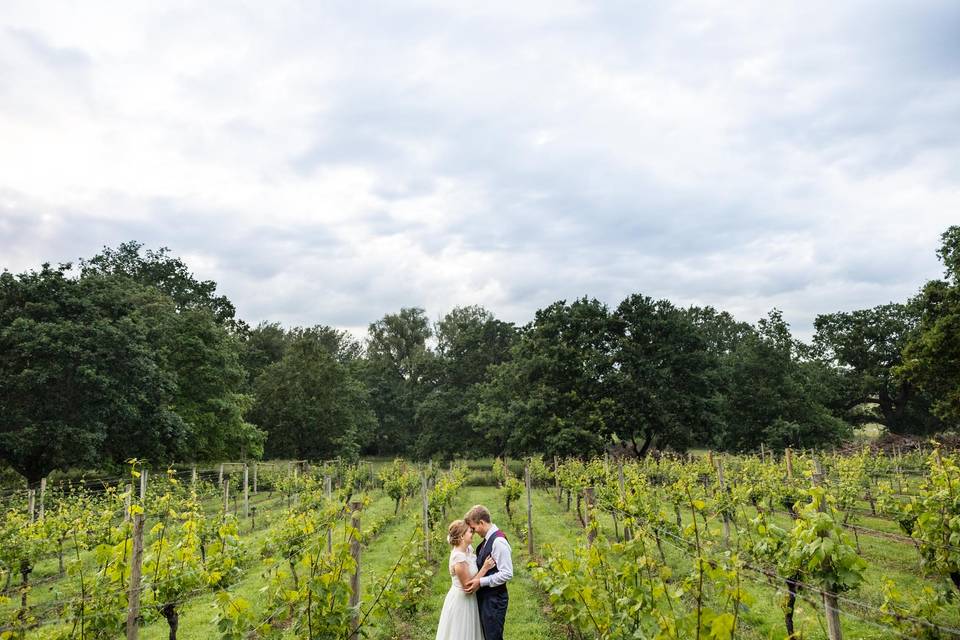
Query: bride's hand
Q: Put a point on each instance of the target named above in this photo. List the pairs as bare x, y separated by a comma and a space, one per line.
489, 563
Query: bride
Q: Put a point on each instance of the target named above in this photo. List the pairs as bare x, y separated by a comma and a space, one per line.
460, 618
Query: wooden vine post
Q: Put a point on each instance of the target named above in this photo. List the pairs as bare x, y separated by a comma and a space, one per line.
220, 479
133, 594
556, 478
31, 502
246, 491
526, 473
591, 530
723, 492
627, 532
355, 554
328, 491
127, 501
226, 496
831, 608
143, 485
43, 491
789, 458
426, 515
256, 465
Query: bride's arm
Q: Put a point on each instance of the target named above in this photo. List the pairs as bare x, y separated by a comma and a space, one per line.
488, 564
474, 582
463, 573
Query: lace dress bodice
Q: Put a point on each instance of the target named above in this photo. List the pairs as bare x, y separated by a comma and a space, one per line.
459, 556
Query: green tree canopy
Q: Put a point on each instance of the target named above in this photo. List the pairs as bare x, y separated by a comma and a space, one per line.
469, 341
932, 357
129, 356
770, 395
661, 380
398, 371
552, 395
161, 270
865, 347
82, 378
311, 405
263, 345
204, 357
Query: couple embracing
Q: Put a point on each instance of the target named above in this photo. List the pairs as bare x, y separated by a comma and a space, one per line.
476, 605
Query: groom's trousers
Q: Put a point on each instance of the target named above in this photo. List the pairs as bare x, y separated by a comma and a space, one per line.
492, 603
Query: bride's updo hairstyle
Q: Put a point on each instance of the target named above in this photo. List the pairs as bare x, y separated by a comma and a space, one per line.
456, 531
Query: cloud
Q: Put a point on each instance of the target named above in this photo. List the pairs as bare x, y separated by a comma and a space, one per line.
327, 164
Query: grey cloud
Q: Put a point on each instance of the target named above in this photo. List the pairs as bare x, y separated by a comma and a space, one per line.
569, 183
62, 59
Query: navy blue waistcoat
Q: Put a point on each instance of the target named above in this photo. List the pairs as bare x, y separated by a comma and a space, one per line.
483, 552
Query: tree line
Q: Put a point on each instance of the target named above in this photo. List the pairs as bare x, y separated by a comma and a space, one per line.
128, 354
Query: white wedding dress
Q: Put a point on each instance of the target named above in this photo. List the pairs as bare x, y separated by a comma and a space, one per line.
460, 618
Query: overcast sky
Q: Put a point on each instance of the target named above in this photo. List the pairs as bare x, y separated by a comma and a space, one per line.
330, 162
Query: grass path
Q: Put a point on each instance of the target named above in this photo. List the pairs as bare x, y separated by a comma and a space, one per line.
378, 560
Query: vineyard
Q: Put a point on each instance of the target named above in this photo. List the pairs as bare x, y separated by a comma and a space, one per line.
856, 546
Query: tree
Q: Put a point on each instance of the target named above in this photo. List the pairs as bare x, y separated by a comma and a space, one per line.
80, 381
865, 348
311, 405
263, 345
770, 395
200, 342
661, 376
552, 396
398, 372
469, 341
204, 358
162, 271
720, 331
932, 356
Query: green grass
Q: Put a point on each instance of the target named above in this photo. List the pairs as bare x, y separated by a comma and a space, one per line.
526, 616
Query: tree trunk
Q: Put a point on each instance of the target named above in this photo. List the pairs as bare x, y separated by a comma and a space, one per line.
642, 450
25, 569
788, 610
293, 571
656, 536
169, 611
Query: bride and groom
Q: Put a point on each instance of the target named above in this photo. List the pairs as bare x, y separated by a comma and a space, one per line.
476, 605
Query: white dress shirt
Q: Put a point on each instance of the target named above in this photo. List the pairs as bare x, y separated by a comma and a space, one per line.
501, 555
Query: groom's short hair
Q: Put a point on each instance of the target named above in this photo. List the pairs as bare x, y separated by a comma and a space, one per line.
478, 513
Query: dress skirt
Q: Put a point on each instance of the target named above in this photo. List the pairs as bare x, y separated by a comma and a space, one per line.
459, 618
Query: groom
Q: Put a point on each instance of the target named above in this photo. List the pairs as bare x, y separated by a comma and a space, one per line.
491, 589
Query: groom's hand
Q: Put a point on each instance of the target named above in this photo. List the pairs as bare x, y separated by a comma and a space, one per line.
472, 585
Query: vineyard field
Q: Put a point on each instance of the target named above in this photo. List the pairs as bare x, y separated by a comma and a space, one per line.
707, 546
